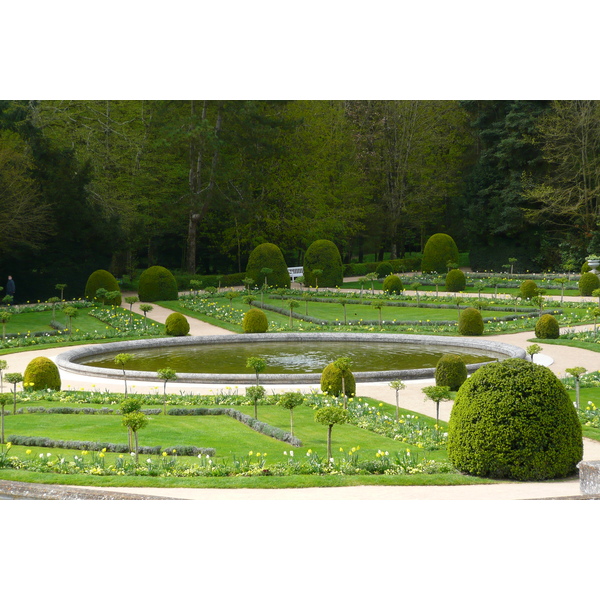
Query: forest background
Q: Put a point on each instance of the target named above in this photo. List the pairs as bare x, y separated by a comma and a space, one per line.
196, 185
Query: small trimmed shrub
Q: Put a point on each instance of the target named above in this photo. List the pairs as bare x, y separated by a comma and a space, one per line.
451, 371
439, 250
470, 322
455, 281
268, 256
255, 321
331, 381
528, 289
588, 282
42, 373
585, 268
176, 324
547, 328
157, 283
102, 279
392, 284
384, 269
514, 420
323, 255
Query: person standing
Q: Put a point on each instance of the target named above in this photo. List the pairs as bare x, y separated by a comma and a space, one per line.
10, 287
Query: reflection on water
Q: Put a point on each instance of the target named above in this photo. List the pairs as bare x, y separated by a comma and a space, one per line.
287, 357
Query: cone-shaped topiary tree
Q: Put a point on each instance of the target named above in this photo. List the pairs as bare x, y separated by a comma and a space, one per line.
514, 420
102, 279
323, 256
157, 283
439, 250
268, 256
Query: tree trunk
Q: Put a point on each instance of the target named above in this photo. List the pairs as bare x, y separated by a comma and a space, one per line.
329, 443
292, 422
2, 432
135, 437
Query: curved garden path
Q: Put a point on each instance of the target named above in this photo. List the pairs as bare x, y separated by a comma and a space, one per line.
556, 357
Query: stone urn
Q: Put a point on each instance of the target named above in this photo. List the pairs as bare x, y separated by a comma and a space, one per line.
593, 263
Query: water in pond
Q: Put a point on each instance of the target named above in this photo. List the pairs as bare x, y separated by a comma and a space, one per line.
287, 357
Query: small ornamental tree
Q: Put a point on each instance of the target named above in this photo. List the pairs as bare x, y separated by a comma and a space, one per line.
53, 301
131, 300
343, 365
255, 393
292, 304
130, 405
343, 302
4, 319
533, 350
71, 313
330, 416
15, 379
167, 374
397, 385
121, 360
576, 372
4, 399
290, 400
3, 367
258, 365
61, 288
378, 305
146, 308
134, 421
437, 393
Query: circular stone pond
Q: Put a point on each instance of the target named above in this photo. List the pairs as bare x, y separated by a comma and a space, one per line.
222, 359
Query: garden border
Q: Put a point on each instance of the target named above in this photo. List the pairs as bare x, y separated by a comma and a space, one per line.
67, 360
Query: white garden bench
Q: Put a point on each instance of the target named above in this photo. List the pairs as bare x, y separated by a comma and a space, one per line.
296, 272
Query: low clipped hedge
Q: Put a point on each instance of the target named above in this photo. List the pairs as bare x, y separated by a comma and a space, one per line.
455, 281
451, 371
547, 328
176, 324
470, 322
588, 282
514, 420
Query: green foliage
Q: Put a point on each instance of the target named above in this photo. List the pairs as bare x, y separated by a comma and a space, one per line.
331, 415
323, 255
255, 321
585, 268
102, 279
290, 400
450, 371
455, 281
41, 374
547, 328
439, 250
528, 289
392, 284
268, 256
470, 322
588, 282
384, 269
176, 324
157, 283
331, 381
514, 420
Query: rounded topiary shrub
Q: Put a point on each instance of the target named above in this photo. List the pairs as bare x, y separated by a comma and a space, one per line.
255, 321
176, 324
42, 373
585, 268
439, 250
331, 381
455, 281
384, 269
588, 282
514, 420
547, 328
325, 256
392, 284
268, 256
528, 289
451, 371
102, 279
470, 322
157, 283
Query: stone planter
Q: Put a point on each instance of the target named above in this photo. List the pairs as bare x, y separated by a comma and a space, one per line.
589, 477
594, 264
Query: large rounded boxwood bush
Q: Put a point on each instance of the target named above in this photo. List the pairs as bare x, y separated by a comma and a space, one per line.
102, 279
392, 284
255, 321
455, 281
528, 289
470, 322
547, 328
41, 374
439, 250
588, 282
384, 269
325, 256
157, 283
451, 371
176, 324
331, 381
268, 256
514, 420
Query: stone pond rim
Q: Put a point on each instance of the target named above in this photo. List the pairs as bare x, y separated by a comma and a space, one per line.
67, 360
